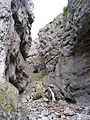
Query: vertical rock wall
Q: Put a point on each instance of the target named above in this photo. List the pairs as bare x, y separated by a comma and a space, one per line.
49, 38
16, 18
71, 72
74, 61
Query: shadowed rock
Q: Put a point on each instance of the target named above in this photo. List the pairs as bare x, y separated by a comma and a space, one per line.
65, 48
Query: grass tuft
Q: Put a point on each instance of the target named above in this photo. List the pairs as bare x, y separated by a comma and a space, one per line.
39, 77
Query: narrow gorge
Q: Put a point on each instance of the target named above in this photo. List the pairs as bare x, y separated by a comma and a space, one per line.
48, 78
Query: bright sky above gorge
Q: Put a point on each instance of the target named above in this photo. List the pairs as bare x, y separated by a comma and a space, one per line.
44, 12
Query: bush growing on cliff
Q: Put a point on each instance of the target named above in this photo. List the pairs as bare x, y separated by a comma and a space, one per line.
47, 29
65, 10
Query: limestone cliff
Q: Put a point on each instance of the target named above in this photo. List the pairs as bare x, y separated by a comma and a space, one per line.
16, 18
33, 56
65, 47
64, 59
49, 38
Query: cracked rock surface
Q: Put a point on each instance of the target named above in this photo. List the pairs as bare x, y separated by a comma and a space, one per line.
16, 18
65, 51
62, 57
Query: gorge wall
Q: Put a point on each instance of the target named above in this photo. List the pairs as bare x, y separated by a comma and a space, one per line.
64, 47
62, 56
65, 50
16, 18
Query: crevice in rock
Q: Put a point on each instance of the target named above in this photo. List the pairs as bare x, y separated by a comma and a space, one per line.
19, 28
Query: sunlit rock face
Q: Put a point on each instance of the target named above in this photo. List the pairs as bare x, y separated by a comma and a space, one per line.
49, 38
16, 18
71, 40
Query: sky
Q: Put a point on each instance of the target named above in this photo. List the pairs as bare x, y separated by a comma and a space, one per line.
45, 11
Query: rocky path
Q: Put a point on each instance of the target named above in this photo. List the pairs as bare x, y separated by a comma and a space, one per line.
36, 106
61, 110
43, 108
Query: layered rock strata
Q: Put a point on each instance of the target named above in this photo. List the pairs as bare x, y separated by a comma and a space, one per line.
65, 50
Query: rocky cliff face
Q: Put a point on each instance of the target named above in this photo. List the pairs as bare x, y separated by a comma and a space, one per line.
49, 38
64, 56
65, 47
33, 56
15, 24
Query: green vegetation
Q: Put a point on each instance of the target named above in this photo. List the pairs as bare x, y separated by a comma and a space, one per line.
47, 29
39, 77
1, 95
65, 11
10, 105
8, 100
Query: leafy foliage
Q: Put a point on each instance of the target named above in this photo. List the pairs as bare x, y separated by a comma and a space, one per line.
65, 10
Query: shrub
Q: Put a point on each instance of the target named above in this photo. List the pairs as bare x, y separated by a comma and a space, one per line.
65, 11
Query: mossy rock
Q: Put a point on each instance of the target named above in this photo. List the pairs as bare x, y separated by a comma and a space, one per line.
2, 90
10, 105
8, 98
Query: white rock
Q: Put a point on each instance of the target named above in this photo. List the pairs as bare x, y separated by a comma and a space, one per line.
45, 118
44, 112
69, 112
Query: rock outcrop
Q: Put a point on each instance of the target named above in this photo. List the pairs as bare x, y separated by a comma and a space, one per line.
62, 57
49, 37
65, 50
16, 18
33, 56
